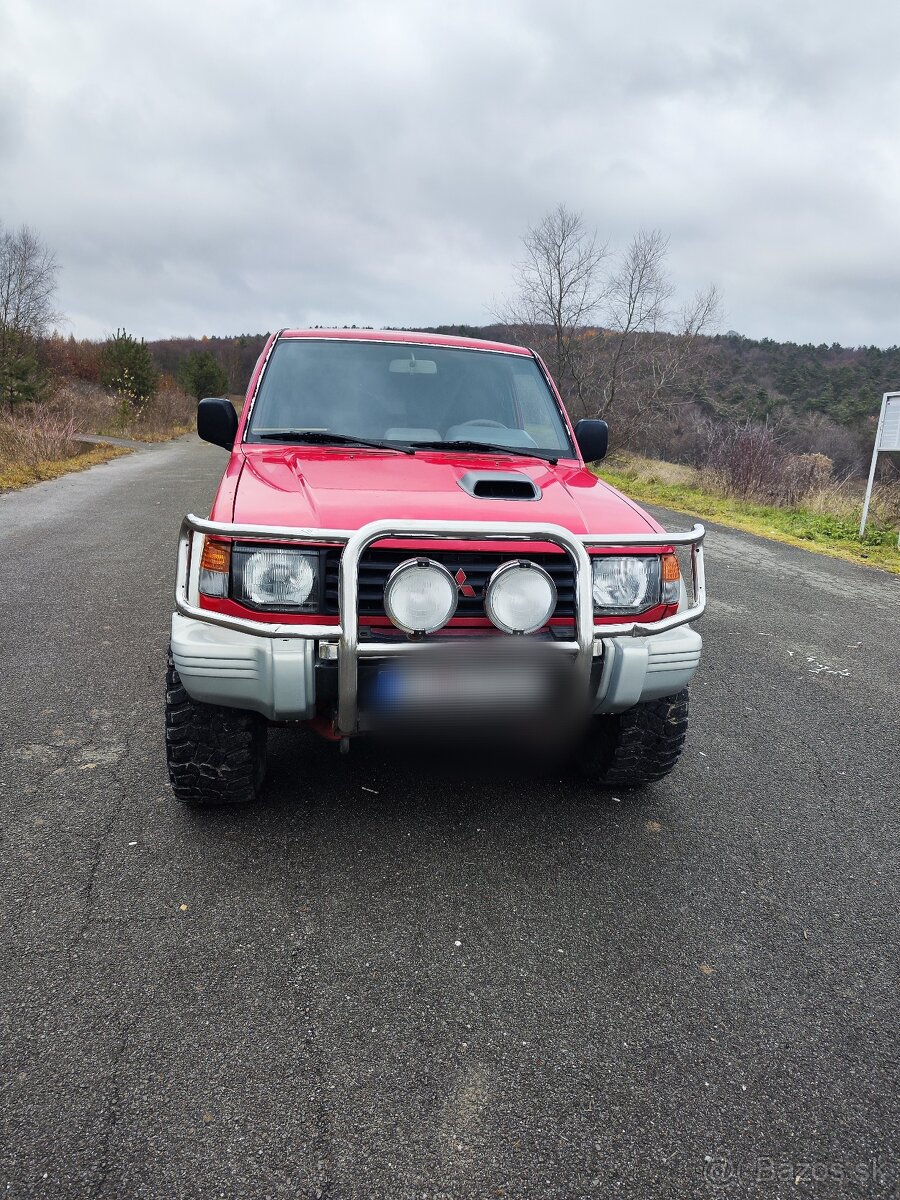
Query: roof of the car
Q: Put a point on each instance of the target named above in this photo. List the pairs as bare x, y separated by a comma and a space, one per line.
406, 336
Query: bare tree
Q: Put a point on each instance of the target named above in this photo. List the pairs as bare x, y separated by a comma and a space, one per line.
559, 286
649, 362
639, 291
611, 336
28, 273
696, 321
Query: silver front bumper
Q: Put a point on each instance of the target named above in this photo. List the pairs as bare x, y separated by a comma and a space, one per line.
269, 667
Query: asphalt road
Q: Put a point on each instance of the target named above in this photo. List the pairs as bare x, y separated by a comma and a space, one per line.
384, 981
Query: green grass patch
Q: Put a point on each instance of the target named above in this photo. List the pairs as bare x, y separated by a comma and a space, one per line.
827, 533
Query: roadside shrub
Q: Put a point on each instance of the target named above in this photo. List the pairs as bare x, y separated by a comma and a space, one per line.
695, 434
34, 436
99, 410
804, 473
886, 503
815, 434
748, 462
170, 409
67, 358
682, 435
92, 408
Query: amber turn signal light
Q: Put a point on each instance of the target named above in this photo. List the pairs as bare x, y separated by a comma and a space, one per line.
671, 572
216, 556
215, 562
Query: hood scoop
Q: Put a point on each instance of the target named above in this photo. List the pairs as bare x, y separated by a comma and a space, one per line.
499, 485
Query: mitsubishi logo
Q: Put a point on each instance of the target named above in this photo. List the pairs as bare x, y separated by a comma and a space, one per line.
465, 588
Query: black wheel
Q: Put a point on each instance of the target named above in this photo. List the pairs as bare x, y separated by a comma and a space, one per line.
638, 746
216, 755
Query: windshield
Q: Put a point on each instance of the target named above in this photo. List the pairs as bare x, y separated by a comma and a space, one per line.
397, 392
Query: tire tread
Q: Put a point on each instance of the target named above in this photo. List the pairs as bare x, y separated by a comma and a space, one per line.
215, 755
638, 746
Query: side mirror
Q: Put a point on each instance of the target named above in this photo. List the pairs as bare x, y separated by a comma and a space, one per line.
593, 439
217, 421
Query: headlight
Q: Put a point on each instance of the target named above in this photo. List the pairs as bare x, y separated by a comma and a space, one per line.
278, 578
625, 584
520, 597
420, 596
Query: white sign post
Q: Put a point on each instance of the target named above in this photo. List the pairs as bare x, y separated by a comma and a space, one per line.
887, 437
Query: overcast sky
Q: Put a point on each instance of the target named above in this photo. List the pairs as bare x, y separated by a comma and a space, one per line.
228, 167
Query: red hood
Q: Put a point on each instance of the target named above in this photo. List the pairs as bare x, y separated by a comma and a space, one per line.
327, 488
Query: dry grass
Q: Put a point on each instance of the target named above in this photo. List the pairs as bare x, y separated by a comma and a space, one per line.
845, 500
40, 441
836, 498
36, 444
33, 436
98, 410
17, 474
652, 470
826, 519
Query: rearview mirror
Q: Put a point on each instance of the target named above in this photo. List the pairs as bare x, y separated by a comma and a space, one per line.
593, 439
217, 422
413, 366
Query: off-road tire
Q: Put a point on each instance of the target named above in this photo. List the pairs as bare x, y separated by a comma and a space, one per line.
216, 755
638, 746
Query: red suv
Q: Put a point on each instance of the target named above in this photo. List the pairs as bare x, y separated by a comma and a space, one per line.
406, 539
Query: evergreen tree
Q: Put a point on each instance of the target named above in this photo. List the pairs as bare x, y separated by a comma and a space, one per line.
127, 365
201, 375
21, 379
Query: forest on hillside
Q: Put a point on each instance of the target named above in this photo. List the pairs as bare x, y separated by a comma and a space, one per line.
744, 378
757, 378
607, 325
817, 399
821, 399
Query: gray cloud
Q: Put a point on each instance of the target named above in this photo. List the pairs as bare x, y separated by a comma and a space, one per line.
226, 167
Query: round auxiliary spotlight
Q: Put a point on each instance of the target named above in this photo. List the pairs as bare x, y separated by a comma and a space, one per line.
520, 597
420, 596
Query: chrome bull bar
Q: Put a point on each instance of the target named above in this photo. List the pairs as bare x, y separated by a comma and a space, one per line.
588, 637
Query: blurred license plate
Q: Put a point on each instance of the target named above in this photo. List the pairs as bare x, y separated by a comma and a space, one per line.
421, 686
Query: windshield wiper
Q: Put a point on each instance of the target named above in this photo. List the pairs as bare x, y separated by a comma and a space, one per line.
487, 448
322, 437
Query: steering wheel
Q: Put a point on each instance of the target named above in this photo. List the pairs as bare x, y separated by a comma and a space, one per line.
484, 421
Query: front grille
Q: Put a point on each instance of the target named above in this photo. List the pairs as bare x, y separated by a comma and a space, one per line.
376, 565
